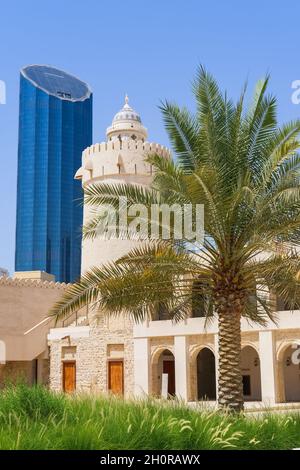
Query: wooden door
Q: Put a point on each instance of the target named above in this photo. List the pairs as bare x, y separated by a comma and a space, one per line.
69, 376
169, 368
115, 377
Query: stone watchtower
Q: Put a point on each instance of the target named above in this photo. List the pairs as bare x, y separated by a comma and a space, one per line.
121, 159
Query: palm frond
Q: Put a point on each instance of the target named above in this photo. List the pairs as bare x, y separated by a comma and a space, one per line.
182, 129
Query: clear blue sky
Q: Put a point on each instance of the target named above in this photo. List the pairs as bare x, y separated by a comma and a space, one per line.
147, 48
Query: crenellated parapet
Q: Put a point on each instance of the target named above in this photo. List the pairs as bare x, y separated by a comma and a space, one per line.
127, 145
15, 282
119, 157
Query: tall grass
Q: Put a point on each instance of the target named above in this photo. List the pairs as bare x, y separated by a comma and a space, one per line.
35, 418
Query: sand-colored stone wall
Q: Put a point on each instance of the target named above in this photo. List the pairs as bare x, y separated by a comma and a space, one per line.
24, 307
24, 372
108, 339
16, 371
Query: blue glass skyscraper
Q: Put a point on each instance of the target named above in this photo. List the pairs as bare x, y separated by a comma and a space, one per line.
55, 126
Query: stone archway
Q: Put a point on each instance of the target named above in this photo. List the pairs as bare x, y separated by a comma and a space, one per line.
250, 366
290, 373
206, 375
163, 363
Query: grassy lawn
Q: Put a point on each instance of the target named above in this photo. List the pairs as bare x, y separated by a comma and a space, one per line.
34, 418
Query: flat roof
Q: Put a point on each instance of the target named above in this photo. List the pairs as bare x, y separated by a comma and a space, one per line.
56, 82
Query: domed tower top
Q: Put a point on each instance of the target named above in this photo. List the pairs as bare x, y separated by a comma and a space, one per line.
126, 125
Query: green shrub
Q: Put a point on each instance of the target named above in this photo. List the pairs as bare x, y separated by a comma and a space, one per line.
35, 418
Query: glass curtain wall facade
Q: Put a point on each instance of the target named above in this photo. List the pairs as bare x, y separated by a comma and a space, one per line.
55, 126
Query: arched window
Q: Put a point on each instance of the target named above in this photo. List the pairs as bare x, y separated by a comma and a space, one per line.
201, 305
206, 375
160, 312
282, 304
250, 367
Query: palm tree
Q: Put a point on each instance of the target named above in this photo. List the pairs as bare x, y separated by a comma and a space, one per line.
244, 169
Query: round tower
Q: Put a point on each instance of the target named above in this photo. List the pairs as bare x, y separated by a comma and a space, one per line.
121, 159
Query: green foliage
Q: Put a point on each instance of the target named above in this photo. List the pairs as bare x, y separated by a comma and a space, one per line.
35, 418
30, 402
244, 168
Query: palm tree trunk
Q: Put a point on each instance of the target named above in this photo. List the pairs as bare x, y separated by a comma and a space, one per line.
230, 387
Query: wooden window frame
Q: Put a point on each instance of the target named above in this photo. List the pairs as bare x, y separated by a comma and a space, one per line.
115, 359
68, 361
